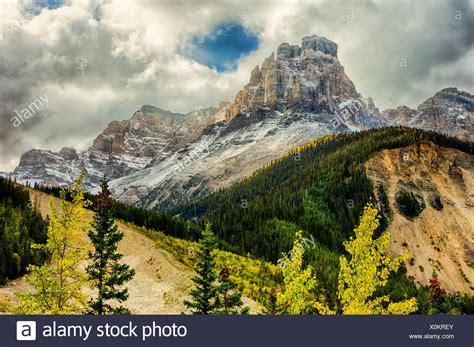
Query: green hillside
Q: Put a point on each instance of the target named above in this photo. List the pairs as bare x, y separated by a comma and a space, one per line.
320, 188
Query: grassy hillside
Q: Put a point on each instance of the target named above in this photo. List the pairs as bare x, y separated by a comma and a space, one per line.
257, 278
164, 266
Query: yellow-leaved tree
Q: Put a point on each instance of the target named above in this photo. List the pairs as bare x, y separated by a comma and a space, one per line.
368, 269
299, 284
57, 284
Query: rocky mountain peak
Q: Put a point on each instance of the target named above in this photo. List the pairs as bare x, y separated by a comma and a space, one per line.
449, 111
310, 75
313, 43
300, 94
321, 44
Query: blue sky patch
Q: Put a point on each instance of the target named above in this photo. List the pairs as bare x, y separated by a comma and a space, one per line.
223, 46
34, 8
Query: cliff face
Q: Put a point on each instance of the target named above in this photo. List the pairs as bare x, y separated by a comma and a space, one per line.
439, 235
449, 111
122, 148
309, 77
301, 94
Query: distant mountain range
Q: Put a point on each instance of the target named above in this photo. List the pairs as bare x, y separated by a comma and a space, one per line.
158, 158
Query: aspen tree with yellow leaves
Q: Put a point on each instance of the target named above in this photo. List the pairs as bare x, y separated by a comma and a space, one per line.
57, 284
367, 269
297, 296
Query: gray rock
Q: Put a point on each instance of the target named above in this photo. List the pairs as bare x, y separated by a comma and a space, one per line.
288, 51
321, 44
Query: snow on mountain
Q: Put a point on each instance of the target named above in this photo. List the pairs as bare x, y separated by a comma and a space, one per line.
158, 158
123, 148
295, 97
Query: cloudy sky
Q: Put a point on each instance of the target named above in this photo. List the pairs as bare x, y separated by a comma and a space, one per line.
87, 62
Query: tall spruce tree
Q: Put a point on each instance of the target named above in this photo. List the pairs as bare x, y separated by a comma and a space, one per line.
231, 296
205, 294
105, 272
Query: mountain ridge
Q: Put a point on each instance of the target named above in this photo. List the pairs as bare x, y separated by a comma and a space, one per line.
158, 157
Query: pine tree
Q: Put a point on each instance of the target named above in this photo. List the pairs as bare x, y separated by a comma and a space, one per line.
205, 294
271, 306
230, 295
105, 272
298, 295
368, 269
58, 283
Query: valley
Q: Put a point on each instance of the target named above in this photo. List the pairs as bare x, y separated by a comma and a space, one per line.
163, 268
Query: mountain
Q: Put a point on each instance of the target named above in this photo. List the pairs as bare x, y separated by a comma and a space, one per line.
300, 94
157, 158
123, 148
449, 111
422, 181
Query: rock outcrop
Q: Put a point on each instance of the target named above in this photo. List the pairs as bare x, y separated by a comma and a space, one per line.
309, 77
439, 238
122, 148
449, 111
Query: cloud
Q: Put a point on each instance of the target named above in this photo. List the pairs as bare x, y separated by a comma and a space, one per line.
98, 59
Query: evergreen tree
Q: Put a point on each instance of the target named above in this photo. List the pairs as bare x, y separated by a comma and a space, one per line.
21, 225
105, 272
368, 270
231, 296
271, 306
205, 294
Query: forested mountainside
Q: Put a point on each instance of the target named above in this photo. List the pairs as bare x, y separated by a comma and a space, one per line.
320, 188
21, 225
163, 264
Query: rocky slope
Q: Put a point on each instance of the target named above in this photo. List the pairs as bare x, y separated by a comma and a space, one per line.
449, 111
439, 237
124, 147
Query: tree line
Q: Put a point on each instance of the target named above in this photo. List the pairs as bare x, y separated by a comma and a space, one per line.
21, 226
59, 282
156, 220
321, 188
